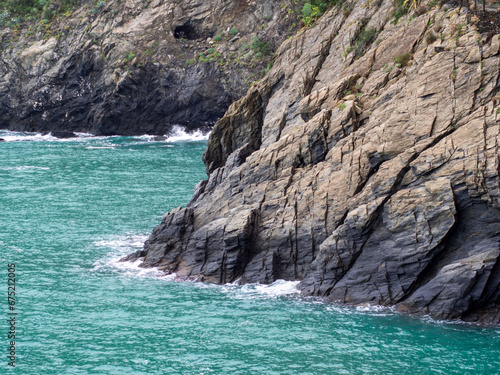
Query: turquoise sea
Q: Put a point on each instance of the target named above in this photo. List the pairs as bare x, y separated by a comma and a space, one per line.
69, 209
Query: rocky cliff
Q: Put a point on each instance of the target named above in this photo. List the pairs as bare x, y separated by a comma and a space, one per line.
135, 66
365, 164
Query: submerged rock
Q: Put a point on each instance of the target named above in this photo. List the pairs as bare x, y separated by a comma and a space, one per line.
63, 134
369, 175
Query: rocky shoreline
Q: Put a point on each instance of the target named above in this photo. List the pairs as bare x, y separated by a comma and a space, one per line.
364, 164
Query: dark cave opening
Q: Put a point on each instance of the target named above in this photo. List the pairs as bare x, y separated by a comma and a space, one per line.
186, 31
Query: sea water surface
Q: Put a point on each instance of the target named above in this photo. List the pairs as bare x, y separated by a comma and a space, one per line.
69, 209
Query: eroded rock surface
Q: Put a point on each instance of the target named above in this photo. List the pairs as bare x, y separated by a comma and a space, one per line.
369, 181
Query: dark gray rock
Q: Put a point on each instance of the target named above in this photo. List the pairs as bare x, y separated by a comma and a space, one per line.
63, 134
148, 100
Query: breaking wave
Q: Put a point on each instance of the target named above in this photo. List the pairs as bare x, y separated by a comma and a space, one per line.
179, 134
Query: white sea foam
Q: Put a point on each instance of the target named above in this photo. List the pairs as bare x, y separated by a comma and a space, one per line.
121, 246
145, 137
84, 135
131, 269
10, 136
99, 147
430, 320
375, 310
179, 134
276, 289
372, 308
24, 168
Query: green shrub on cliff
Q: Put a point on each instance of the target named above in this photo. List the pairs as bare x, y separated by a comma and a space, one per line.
310, 13
98, 6
412, 4
260, 46
313, 9
403, 59
401, 8
364, 39
23, 10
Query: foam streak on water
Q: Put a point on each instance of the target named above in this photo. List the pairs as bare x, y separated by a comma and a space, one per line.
11, 136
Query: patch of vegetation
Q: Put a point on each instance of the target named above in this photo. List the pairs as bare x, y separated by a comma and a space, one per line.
218, 38
129, 57
268, 68
364, 39
412, 4
243, 47
347, 9
430, 37
433, 3
189, 62
458, 31
150, 51
233, 31
98, 6
260, 46
453, 75
402, 7
211, 55
313, 9
403, 59
15, 12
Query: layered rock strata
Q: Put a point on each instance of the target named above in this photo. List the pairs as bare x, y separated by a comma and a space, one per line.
369, 174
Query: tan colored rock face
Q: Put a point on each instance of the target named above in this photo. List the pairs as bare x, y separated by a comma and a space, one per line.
385, 193
36, 58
